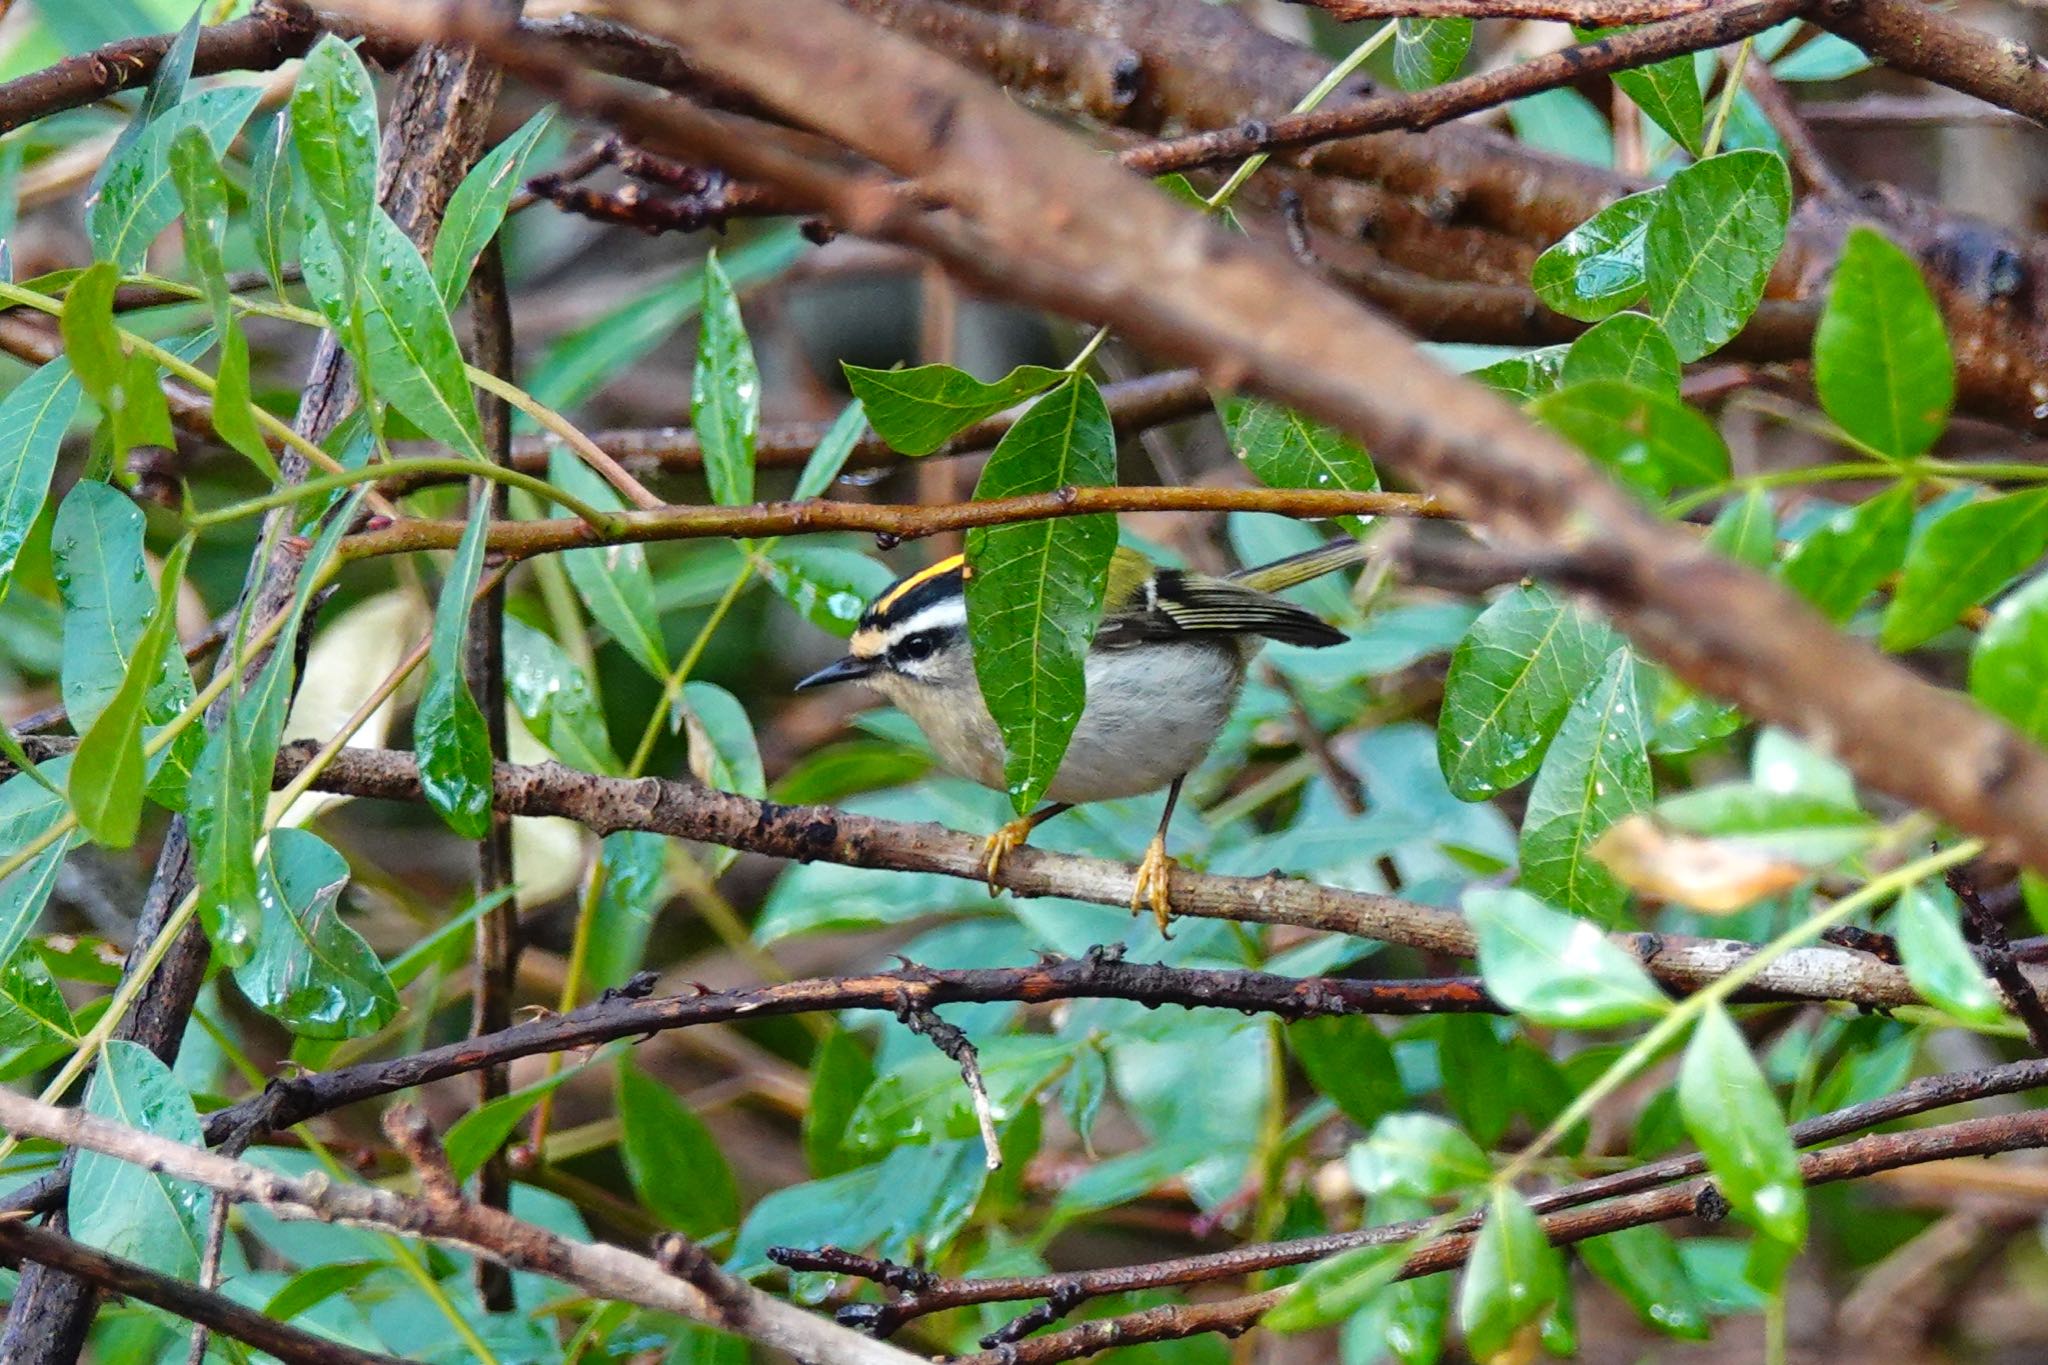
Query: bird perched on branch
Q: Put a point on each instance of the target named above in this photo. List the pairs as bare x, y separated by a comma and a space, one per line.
1168, 660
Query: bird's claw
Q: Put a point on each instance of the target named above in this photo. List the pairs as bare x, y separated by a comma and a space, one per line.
1153, 888
1010, 836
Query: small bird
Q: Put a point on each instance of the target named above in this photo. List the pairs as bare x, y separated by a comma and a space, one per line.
1168, 660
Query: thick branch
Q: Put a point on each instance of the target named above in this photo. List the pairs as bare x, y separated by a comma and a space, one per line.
1169, 280
1928, 43
686, 810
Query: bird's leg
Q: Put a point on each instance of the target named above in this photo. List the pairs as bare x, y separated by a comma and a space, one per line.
1155, 873
1012, 836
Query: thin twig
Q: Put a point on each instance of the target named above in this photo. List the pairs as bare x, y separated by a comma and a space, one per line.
953, 1041
2000, 964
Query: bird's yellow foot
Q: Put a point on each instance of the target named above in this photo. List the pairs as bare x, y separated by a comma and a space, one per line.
1154, 884
998, 847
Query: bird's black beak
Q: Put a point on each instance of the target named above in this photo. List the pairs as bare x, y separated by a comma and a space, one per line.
848, 669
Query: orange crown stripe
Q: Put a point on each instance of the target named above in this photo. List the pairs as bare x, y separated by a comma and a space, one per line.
924, 575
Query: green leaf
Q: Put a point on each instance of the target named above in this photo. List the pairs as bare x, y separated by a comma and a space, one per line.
1668, 92
28, 812
1556, 968
1596, 772
633, 865
924, 1098
1628, 347
166, 89
33, 419
1429, 51
1564, 123
1881, 360
840, 1074
1824, 58
203, 193
448, 729
1525, 376
1598, 268
334, 133
1513, 1275
1350, 1062
1747, 530
1938, 961
1841, 561
477, 208
103, 582
1417, 1156
1283, 449
1959, 559
723, 753
309, 1289
579, 363
1642, 1265
273, 200
1335, 1288
917, 1199
136, 200
1808, 829
107, 771
725, 391
556, 700
408, 343
90, 340
32, 1008
676, 1166
126, 1209
1649, 438
828, 585
1735, 1120
1712, 240
918, 410
2006, 663
311, 972
1511, 680
829, 456
471, 1139
1034, 589
612, 580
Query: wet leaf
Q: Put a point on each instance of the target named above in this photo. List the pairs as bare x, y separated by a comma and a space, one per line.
32, 1008
125, 1209
556, 700
408, 343
916, 411
1598, 267
1597, 771
1628, 347
1649, 438
1734, 1118
1418, 1156
448, 729
1034, 589
1511, 681
1713, 237
1351, 1062
829, 456
274, 209
633, 864
334, 133
310, 971
1642, 1265
203, 194
828, 585
477, 208
840, 1074
1283, 449
1429, 51
33, 418
107, 770
725, 393
1513, 1275
136, 200
1335, 1288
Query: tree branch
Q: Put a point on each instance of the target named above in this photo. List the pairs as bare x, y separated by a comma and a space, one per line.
1927, 43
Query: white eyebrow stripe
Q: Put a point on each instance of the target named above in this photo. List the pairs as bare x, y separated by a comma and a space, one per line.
949, 614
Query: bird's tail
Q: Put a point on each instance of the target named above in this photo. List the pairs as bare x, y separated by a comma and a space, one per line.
1282, 574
